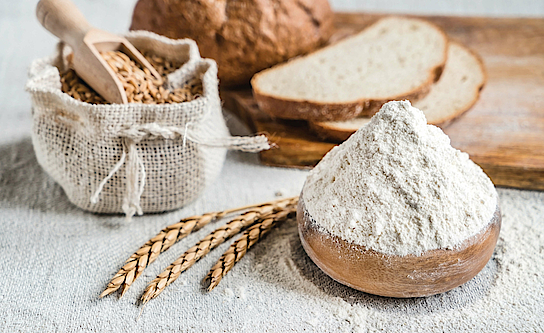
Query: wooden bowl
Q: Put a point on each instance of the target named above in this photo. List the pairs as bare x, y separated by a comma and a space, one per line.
430, 273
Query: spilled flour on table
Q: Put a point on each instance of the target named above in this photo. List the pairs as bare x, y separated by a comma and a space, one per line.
504, 296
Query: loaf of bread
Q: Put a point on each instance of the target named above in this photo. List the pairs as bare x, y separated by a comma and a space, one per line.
243, 36
456, 91
395, 58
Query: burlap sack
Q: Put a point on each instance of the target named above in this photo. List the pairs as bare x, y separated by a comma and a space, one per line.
133, 158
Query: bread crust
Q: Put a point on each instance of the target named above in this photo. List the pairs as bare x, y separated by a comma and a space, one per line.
327, 131
242, 36
316, 111
443, 122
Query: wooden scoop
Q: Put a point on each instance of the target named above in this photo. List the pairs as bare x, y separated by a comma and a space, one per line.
430, 273
64, 20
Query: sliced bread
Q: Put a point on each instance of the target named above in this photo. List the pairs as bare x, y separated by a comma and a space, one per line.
394, 58
455, 92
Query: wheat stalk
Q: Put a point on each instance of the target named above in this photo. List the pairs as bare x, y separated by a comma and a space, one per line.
203, 247
239, 248
147, 253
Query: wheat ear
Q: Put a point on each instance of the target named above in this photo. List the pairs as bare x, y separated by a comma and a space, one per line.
147, 253
239, 248
203, 247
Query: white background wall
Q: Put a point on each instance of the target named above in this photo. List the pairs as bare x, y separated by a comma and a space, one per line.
446, 7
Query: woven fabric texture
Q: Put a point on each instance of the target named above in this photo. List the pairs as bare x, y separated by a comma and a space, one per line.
133, 158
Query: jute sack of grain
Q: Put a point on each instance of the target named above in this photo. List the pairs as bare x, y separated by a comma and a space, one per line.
133, 158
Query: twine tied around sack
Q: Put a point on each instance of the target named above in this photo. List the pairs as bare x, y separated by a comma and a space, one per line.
131, 135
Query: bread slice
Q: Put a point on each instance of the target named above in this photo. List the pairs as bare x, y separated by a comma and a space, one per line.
395, 58
455, 92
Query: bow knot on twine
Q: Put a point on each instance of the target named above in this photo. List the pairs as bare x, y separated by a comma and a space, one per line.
134, 166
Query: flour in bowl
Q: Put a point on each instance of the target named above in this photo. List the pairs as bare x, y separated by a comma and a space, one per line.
398, 187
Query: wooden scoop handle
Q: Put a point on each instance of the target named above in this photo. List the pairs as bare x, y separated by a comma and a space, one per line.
64, 20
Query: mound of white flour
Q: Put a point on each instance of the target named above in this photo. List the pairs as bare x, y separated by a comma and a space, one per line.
398, 187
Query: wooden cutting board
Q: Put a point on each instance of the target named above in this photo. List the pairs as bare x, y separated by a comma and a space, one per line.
503, 132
